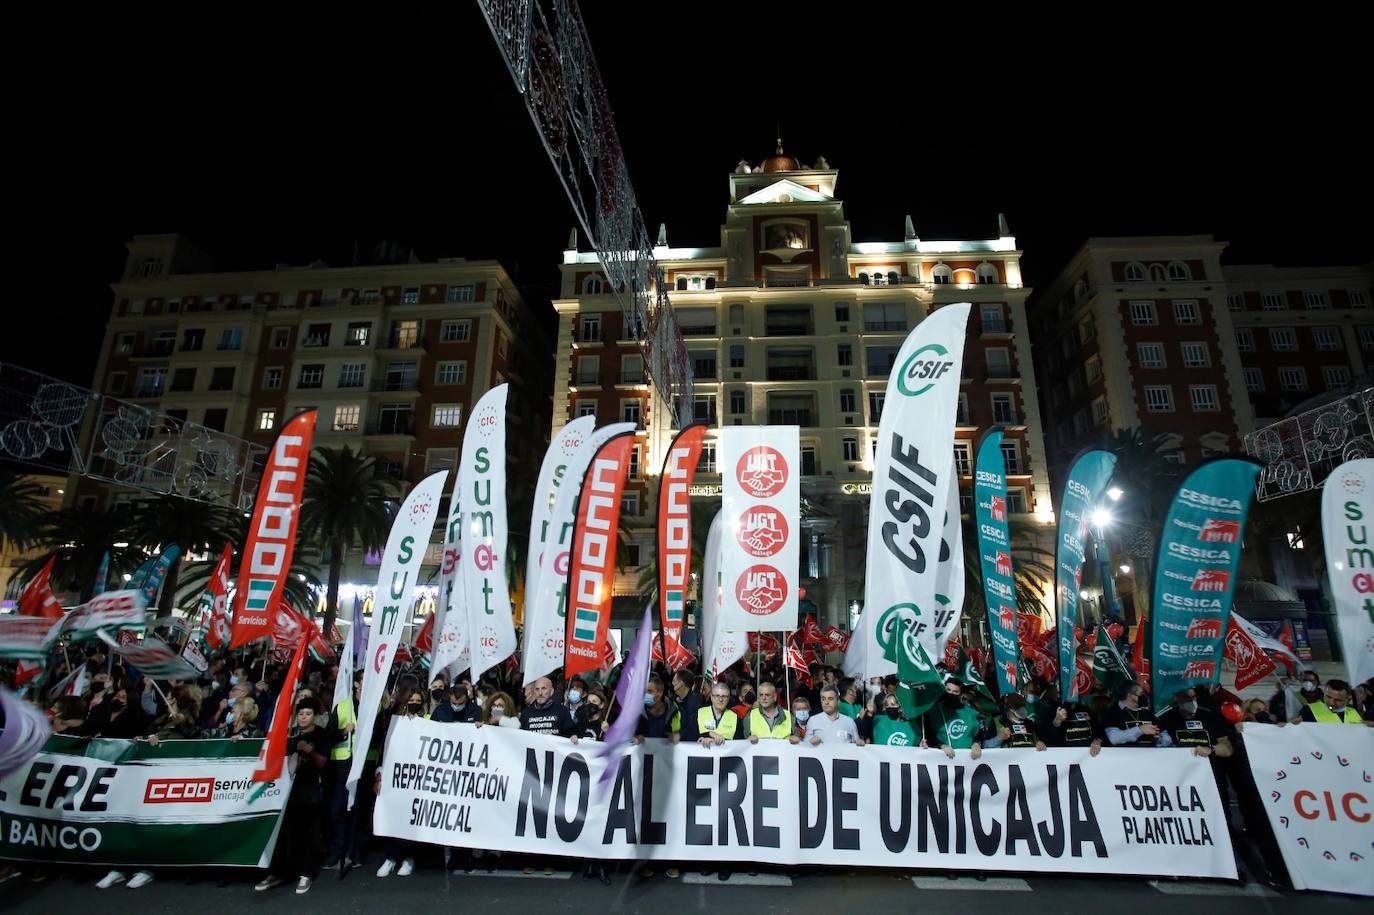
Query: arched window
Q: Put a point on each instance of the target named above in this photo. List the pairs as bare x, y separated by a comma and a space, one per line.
593, 285
1156, 273
863, 278
1135, 273
893, 278
941, 274
1179, 271
682, 284
987, 274
710, 282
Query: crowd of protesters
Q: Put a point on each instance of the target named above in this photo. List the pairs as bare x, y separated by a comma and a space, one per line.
237, 695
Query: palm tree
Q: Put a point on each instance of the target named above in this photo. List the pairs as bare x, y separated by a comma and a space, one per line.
196, 527
1147, 482
79, 539
344, 507
1032, 568
299, 589
20, 507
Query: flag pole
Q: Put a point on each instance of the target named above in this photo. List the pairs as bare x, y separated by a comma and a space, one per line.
786, 677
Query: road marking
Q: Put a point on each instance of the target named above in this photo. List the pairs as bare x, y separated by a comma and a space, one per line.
736, 879
991, 884
1212, 888
508, 874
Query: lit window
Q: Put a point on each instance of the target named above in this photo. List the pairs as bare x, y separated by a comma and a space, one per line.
410, 297
1151, 355
1185, 312
267, 420
446, 415
1195, 355
346, 417
1203, 397
1159, 398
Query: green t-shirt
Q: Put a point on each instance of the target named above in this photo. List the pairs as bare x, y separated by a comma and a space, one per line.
851, 710
958, 730
893, 733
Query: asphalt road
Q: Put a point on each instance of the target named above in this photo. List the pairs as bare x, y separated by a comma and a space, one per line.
836, 892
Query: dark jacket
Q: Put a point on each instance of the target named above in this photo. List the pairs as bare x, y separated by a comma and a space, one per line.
445, 712
552, 718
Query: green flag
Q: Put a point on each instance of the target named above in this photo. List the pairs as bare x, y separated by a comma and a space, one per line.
1109, 666
982, 698
919, 684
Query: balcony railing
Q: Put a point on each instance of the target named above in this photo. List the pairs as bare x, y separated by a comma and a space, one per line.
315, 342
704, 416
395, 384
400, 425
403, 343
791, 372
148, 390
791, 417
884, 327
156, 349
632, 378
698, 330
585, 379
998, 326
1002, 371
788, 329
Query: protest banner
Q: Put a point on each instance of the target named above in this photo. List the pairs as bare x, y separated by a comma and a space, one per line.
111, 610
994, 552
123, 803
1314, 781
1347, 512
481, 571
911, 471
675, 535
1083, 491
1122, 812
760, 548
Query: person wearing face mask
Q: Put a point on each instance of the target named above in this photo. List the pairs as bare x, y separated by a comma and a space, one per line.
498, 710
1072, 724
1335, 707
953, 725
456, 707
1287, 704
746, 701
410, 703
591, 716
300, 845
688, 694
543, 715
851, 701
1015, 730
891, 729
801, 714
659, 710
1131, 723
575, 695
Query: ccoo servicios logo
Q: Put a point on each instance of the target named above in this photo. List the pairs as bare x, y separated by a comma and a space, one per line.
923, 369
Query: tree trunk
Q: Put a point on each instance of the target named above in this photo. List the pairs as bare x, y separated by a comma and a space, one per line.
331, 606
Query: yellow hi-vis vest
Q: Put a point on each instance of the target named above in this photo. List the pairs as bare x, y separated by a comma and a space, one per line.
1324, 715
343, 714
758, 726
727, 727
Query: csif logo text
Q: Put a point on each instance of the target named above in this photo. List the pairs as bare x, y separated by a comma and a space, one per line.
928, 364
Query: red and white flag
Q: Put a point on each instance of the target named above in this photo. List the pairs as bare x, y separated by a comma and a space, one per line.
1252, 664
836, 639
793, 659
609, 657
217, 629
37, 599
763, 643
273, 752
675, 532
272, 532
811, 632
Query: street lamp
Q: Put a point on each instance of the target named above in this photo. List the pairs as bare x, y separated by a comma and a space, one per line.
1115, 493
1101, 517
1125, 569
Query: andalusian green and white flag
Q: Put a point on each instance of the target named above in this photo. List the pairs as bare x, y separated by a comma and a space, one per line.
919, 684
1109, 666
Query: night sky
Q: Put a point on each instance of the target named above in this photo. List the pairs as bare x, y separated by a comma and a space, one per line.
287, 141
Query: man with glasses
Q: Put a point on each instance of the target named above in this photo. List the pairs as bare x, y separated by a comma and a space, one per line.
717, 722
769, 721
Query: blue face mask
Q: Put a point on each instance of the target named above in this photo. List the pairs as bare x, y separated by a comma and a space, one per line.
229, 718
233, 699
801, 715
233, 681
574, 696
648, 699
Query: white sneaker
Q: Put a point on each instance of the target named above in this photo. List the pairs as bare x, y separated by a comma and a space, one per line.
407, 868
142, 878
113, 878
303, 886
387, 868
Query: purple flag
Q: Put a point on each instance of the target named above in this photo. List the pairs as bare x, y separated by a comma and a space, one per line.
23, 731
629, 693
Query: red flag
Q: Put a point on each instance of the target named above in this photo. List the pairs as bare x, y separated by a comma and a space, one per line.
592, 575
675, 530
1083, 681
272, 533
335, 636
609, 658
273, 752
403, 655
656, 649
679, 656
217, 627
1138, 652
1027, 628
424, 639
1252, 664
793, 658
288, 626
951, 658
37, 598
1043, 663
512, 663
836, 639
812, 634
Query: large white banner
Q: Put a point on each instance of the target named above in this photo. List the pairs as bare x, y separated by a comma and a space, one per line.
546, 604
450, 654
719, 649
1347, 520
1317, 785
552, 475
761, 482
950, 582
405, 551
1123, 812
125, 803
481, 567
911, 471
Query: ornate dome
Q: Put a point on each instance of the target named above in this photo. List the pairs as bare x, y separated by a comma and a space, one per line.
780, 162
